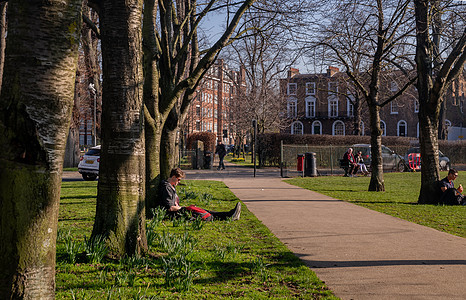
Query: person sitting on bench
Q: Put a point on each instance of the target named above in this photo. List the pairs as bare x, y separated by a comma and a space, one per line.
348, 158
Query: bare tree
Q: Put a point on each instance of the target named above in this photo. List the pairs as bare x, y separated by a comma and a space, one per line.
173, 67
370, 39
436, 70
35, 110
264, 58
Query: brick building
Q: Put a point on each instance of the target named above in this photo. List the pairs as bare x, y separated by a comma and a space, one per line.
211, 107
321, 104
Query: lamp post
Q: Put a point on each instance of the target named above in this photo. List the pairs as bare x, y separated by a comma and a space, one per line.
94, 92
254, 126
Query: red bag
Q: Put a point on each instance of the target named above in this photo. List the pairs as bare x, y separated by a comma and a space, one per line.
196, 211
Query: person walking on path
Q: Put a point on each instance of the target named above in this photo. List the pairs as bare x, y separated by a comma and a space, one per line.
171, 202
221, 151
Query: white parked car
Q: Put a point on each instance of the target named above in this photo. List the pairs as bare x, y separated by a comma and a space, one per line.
89, 164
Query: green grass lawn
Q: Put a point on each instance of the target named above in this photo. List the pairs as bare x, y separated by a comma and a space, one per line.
399, 199
192, 260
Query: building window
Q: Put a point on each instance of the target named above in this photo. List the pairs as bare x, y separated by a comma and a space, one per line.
292, 108
383, 127
393, 86
332, 106
297, 127
361, 127
394, 107
292, 88
198, 125
338, 128
310, 107
198, 110
416, 106
417, 130
350, 106
332, 88
310, 88
316, 127
402, 128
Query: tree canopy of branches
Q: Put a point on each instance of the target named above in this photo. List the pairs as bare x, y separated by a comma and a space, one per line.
173, 67
370, 39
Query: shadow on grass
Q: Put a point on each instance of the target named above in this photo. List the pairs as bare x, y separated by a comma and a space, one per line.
85, 197
381, 202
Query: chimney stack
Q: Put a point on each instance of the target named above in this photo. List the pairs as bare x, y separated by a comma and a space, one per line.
332, 70
292, 72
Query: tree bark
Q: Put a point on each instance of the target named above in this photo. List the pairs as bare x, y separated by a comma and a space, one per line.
35, 112
120, 213
377, 183
153, 119
168, 148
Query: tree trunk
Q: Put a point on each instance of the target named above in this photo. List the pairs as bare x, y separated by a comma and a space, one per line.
35, 112
168, 148
153, 120
120, 213
428, 110
377, 181
429, 153
72, 148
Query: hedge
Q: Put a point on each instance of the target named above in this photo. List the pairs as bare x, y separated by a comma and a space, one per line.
208, 138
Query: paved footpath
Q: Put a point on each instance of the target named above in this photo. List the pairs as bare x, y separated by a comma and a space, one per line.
359, 253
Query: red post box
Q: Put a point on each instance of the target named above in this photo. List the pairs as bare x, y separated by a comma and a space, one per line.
300, 165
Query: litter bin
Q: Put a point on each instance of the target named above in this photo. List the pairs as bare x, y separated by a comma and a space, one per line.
207, 160
310, 166
300, 164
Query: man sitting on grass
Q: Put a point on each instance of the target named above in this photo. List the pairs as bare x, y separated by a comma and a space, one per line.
170, 201
450, 195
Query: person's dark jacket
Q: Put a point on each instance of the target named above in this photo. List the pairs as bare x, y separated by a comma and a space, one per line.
220, 150
167, 196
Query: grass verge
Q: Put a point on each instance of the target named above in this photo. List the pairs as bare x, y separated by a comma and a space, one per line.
398, 200
246, 161
195, 260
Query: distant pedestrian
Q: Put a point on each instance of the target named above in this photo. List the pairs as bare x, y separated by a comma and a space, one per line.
221, 151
